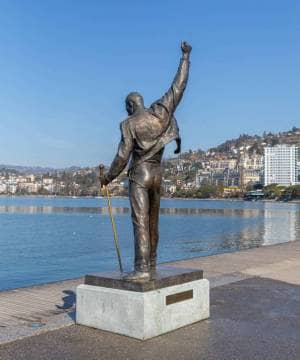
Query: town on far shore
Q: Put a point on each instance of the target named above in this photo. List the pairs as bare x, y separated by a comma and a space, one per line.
249, 167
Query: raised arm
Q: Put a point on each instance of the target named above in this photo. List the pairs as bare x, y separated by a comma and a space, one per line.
122, 157
168, 103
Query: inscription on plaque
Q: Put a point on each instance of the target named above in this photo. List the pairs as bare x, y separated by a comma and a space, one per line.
181, 296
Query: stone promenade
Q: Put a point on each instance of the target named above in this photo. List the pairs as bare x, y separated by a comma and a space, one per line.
255, 314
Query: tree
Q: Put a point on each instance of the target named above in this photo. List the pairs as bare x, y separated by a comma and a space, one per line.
274, 191
291, 192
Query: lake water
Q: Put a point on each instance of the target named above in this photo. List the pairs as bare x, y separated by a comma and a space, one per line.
45, 239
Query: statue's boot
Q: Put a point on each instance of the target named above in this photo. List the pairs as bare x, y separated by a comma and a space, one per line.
137, 275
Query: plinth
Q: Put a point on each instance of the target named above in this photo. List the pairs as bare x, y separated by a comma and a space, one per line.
172, 298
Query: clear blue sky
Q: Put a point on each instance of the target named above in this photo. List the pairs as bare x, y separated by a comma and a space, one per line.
66, 67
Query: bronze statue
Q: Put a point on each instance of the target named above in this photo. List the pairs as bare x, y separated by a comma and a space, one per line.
144, 135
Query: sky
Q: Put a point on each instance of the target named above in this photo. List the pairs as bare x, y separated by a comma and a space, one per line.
67, 66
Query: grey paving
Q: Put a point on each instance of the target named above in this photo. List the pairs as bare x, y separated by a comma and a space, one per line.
36, 304
253, 319
283, 260
33, 310
39, 309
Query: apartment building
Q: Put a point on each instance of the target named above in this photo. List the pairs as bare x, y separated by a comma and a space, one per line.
281, 165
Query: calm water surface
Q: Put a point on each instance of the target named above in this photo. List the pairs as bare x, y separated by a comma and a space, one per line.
45, 239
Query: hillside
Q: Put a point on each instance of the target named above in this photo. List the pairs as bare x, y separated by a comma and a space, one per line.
256, 142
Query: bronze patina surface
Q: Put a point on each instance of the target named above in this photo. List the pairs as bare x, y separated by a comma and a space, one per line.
163, 277
144, 135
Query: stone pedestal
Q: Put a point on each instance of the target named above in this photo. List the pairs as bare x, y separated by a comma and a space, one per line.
143, 309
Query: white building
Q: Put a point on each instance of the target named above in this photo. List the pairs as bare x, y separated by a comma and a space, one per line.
47, 181
223, 164
281, 164
202, 177
3, 188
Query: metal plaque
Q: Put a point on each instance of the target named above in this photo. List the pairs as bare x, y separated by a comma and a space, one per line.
174, 298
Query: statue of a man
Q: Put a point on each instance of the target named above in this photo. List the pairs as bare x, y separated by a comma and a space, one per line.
144, 135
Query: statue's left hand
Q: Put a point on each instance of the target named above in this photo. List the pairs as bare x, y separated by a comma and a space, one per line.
186, 47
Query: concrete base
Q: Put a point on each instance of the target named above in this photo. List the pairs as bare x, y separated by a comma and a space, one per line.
142, 315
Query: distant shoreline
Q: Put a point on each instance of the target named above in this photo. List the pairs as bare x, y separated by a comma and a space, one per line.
296, 201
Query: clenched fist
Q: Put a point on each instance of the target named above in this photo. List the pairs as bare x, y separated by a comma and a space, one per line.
186, 47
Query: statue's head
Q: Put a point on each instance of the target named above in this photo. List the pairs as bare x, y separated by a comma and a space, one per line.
134, 101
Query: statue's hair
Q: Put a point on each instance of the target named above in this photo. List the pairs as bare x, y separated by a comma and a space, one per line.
135, 97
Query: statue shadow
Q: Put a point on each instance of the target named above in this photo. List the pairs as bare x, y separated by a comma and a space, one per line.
69, 302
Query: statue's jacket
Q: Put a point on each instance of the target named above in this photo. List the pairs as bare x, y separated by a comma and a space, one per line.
145, 133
